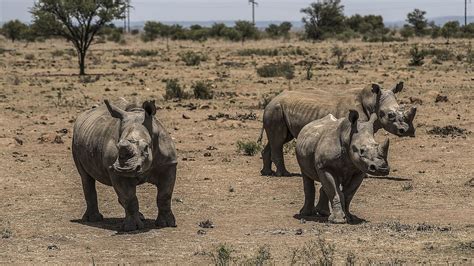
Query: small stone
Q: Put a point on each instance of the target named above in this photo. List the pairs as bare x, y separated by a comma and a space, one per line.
201, 232
186, 117
207, 154
299, 232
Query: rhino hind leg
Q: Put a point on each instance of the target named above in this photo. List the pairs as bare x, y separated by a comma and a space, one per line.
322, 208
267, 161
309, 196
282, 136
92, 213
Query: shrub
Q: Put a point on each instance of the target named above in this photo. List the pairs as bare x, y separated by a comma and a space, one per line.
222, 256
135, 32
202, 90
417, 56
174, 90
286, 70
257, 51
57, 53
340, 56
308, 67
30, 57
441, 54
140, 63
248, 147
191, 58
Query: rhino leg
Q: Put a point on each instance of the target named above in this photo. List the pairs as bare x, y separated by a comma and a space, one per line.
92, 213
349, 192
309, 195
322, 208
335, 196
164, 181
126, 191
281, 136
267, 161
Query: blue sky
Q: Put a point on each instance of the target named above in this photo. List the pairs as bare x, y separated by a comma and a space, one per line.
202, 10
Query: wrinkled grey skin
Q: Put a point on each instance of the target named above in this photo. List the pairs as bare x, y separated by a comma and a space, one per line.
289, 112
123, 146
338, 153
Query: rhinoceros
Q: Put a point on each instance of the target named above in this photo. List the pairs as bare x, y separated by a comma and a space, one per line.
290, 111
123, 146
338, 153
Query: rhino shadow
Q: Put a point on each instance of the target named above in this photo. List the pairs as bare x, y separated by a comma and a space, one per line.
115, 224
324, 219
391, 178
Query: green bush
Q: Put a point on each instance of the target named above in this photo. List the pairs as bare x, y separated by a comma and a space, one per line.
202, 90
340, 55
191, 58
417, 56
441, 54
248, 147
174, 90
285, 69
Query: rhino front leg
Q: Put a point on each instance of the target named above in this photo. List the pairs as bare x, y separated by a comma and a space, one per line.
92, 213
126, 191
267, 161
349, 191
309, 195
164, 181
322, 208
335, 196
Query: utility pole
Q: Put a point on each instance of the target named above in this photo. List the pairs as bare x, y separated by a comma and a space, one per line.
253, 3
465, 13
126, 19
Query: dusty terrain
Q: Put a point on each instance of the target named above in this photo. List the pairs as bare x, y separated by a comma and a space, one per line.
422, 212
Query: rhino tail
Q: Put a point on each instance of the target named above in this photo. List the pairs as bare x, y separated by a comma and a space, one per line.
259, 141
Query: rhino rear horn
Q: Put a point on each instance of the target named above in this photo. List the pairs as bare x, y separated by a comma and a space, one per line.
149, 107
398, 88
114, 110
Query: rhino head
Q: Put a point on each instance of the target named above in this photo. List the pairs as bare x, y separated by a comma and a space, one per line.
134, 147
366, 154
391, 116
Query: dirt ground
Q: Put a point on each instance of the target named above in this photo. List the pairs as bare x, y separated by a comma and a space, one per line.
422, 212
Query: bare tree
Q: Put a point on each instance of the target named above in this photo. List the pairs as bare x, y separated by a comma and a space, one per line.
78, 21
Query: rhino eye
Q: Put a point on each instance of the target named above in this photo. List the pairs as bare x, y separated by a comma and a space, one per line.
362, 152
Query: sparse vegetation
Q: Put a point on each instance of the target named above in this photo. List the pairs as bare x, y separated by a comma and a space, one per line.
222, 256
174, 90
417, 56
248, 147
314, 253
340, 55
202, 90
191, 58
285, 69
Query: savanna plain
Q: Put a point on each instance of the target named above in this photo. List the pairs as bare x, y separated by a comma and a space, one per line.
225, 210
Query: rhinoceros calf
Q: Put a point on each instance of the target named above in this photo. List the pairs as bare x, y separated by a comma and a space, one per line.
124, 145
289, 112
338, 153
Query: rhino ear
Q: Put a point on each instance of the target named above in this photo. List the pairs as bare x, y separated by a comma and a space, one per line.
398, 88
114, 110
353, 117
149, 107
376, 88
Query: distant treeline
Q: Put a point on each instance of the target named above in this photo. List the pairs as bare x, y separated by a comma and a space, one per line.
322, 20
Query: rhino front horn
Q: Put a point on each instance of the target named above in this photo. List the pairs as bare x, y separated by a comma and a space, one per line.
383, 149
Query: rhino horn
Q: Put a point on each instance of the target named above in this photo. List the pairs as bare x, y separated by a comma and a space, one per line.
383, 149
410, 114
125, 149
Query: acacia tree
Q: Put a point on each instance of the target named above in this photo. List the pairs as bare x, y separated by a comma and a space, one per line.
78, 21
246, 29
14, 29
323, 17
450, 29
418, 21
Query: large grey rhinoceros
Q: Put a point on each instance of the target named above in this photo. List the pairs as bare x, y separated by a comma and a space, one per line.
290, 111
338, 153
124, 145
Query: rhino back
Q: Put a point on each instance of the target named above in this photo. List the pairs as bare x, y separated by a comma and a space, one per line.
93, 131
301, 108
